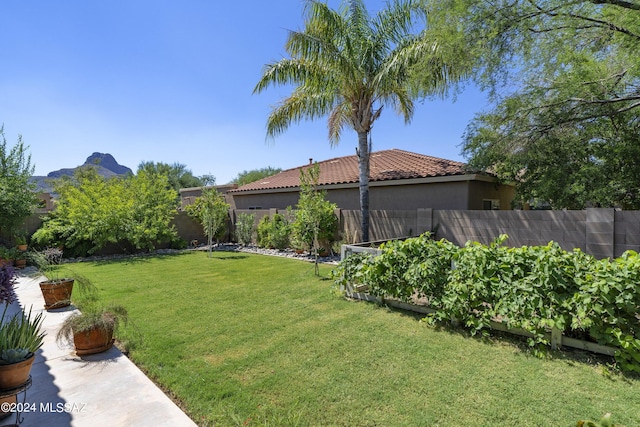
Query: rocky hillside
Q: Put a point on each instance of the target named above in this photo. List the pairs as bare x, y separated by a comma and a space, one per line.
103, 163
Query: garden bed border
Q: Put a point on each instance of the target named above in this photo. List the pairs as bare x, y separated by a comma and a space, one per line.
555, 337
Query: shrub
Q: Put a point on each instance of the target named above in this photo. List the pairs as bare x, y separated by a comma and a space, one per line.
244, 228
133, 212
413, 267
17, 192
274, 232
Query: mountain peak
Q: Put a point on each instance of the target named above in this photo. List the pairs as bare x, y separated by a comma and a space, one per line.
104, 163
107, 161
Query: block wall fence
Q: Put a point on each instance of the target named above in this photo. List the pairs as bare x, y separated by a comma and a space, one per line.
600, 232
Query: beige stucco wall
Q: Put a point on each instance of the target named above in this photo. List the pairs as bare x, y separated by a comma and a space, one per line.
383, 196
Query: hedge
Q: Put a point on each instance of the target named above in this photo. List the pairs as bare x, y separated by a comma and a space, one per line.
533, 288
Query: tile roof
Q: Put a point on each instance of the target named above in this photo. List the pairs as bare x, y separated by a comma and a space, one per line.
384, 165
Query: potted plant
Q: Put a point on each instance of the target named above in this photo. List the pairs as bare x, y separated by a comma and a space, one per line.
4, 256
20, 336
91, 330
21, 242
20, 260
56, 290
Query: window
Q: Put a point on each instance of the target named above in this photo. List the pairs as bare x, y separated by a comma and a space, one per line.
491, 204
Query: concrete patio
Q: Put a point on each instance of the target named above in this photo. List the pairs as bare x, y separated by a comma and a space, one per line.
105, 389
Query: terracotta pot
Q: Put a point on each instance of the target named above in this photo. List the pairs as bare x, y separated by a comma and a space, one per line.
15, 374
21, 263
22, 247
11, 400
93, 341
56, 293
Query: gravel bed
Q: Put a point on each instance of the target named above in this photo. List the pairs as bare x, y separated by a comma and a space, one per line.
227, 247
287, 253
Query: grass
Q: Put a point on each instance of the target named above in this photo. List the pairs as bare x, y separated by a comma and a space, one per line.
243, 339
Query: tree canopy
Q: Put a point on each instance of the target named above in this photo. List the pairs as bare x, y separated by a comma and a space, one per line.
347, 65
253, 175
565, 78
178, 175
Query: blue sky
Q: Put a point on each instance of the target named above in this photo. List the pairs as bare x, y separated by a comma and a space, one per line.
172, 81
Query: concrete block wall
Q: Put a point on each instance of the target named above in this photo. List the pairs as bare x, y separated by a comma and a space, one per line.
530, 228
603, 233
626, 232
599, 232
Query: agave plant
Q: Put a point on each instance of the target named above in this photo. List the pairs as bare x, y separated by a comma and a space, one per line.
20, 336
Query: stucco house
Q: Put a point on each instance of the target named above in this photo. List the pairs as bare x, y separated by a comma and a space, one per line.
399, 180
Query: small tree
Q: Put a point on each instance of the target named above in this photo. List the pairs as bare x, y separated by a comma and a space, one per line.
244, 228
315, 222
17, 193
212, 212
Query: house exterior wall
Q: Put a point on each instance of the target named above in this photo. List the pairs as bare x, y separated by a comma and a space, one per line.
479, 191
189, 195
276, 199
391, 196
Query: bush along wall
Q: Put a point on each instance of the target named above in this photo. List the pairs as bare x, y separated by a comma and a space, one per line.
534, 288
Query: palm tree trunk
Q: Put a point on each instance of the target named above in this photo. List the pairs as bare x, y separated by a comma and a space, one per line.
363, 166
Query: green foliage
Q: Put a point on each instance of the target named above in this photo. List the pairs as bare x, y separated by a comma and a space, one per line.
245, 228
133, 212
534, 288
315, 222
212, 211
415, 267
17, 192
607, 304
247, 177
14, 355
352, 271
177, 174
564, 77
18, 333
93, 316
274, 231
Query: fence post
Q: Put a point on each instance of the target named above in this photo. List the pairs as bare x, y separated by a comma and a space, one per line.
556, 338
424, 220
600, 232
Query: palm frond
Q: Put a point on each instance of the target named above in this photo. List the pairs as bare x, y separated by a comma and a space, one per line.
338, 118
302, 104
292, 71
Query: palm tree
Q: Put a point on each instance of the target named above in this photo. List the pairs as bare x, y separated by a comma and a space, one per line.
348, 65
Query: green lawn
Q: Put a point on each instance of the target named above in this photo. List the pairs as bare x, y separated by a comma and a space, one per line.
244, 339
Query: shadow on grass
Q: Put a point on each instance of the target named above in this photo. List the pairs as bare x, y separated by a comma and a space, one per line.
231, 257
141, 258
569, 355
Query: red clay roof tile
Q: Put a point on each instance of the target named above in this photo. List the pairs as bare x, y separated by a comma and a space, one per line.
384, 165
